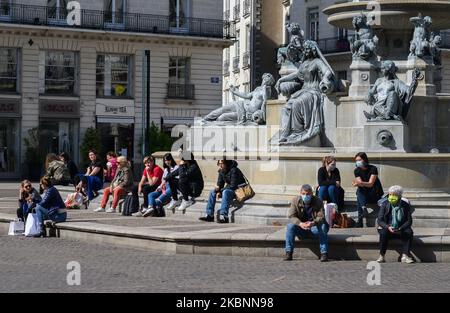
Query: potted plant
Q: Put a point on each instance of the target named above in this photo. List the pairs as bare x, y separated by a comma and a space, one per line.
33, 154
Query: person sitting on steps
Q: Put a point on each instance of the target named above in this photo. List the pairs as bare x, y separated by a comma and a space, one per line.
230, 178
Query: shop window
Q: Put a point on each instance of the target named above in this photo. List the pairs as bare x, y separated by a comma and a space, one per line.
114, 74
58, 136
9, 145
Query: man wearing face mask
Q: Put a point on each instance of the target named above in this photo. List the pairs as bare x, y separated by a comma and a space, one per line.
307, 218
395, 221
369, 185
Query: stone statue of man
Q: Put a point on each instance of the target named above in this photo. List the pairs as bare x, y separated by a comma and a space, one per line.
250, 110
390, 97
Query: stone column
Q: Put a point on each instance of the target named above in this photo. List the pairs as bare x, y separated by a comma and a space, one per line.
364, 74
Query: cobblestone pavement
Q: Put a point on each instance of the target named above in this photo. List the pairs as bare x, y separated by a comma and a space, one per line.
40, 265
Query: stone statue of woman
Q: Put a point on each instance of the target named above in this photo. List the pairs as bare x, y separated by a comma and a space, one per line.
302, 116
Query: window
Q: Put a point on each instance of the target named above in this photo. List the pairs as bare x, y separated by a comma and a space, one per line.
114, 76
57, 9
179, 13
179, 70
5, 8
248, 37
8, 70
313, 21
114, 11
237, 44
59, 72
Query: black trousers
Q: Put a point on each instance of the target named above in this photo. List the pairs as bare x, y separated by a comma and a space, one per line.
187, 189
406, 236
146, 190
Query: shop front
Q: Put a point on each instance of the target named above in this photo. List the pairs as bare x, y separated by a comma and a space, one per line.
59, 127
10, 137
115, 121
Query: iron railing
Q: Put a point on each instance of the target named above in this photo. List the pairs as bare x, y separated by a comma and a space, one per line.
246, 60
247, 8
117, 21
180, 91
236, 61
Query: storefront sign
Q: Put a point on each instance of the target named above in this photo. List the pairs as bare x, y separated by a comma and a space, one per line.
9, 107
54, 108
115, 108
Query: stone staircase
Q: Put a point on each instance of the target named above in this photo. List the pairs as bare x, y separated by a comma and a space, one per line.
431, 209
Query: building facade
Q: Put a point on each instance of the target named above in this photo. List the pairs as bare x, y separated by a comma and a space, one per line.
63, 71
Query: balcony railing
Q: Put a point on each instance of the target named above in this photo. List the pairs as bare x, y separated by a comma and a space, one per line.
237, 13
246, 60
334, 45
247, 8
180, 91
226, 68
236, 61
117, 21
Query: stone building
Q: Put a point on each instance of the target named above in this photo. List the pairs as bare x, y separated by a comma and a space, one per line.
64, 71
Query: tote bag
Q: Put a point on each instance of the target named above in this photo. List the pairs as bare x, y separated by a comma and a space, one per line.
16, 228
32, 226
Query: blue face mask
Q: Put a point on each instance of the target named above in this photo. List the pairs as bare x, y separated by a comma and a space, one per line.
306, 198
360, 163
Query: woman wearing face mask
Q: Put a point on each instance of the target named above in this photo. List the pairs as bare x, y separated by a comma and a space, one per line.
329, 180
395, 221
369, 185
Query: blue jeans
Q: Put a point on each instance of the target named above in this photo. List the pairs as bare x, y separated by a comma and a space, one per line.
227, 196
158, 199
365, 196
293, 231
329, 193
44, 214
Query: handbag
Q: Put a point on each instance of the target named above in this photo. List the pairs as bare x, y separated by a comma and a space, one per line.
245, 192
32, 227
16, 228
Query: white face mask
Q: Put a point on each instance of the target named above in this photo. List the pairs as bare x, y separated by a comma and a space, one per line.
331, 167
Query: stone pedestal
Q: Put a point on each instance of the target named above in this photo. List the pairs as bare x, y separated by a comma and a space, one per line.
386, 136
364, 74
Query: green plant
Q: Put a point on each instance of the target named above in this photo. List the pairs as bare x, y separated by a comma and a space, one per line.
91, 141
33, 153
158, 140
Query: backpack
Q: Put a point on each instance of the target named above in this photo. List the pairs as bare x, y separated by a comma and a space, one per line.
341, 220
130, 205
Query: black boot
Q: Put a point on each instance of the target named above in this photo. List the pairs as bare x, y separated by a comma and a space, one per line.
288, 256
359, 223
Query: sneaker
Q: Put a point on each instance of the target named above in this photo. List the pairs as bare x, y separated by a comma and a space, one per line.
223, 220
407, 259
324, 257
381, 259
185, 204
111, 210
173, 204
138, 214
207, 218
99, 210
288, 256
148, 212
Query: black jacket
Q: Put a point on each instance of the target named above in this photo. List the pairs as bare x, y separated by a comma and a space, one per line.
384, 216
232, 178
190, 173
325, 180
